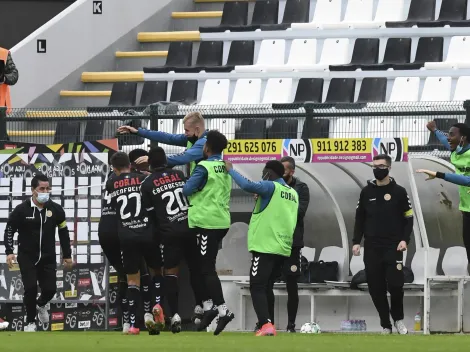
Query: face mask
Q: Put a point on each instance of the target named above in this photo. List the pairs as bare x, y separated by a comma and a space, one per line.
43, 197
266, 176
193, 139
380, 174
459, 147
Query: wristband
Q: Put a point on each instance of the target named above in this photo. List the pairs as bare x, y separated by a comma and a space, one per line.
440, 175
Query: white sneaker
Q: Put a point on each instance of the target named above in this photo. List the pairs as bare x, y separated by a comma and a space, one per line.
150, 322
401, 328
43, 314
176, 324
4, 325
125, 328
31, 327
386, 331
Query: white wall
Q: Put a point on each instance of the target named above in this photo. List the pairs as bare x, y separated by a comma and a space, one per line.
73, 37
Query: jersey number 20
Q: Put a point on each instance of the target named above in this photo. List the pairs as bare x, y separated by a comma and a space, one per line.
177, 195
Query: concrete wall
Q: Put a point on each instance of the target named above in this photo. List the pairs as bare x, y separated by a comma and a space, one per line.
78, 40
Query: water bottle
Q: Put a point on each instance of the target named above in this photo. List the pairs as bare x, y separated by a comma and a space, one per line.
417, 322
354, 325
348, 325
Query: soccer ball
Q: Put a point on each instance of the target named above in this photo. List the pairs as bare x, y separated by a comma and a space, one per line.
310, 328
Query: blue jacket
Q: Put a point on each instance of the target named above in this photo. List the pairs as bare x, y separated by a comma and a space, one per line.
264, 189
460, 180
192, 154
198, 178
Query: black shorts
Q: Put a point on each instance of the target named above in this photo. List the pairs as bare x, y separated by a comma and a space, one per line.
138, 249
111, 247
291, 265
179, 246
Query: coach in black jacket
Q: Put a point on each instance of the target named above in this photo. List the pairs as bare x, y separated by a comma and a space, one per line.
36, 220
292, 264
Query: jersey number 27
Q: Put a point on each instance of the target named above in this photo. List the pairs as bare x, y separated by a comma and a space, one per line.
125, 199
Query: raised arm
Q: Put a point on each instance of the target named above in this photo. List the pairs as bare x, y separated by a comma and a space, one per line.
262, 188
192, 154
196, 181
162, 137
439, 134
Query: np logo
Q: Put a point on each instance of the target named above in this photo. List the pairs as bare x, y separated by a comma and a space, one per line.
394, 147
299, 149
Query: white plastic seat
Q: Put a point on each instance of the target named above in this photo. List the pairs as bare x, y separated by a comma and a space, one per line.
326, 11
225, 126
387, 10
247, 91
308, 253
382, 127
436, 89
405, 89
334, 254
271, 53
357, 12
417, 264
415, 129
455, 262
462, 89
357, 263
303, 52
215, 92
458, 55
278, 90
335, 52
346, 127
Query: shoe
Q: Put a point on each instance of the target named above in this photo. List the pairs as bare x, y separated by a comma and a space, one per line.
208, 317
3, 324
43, 314
198, 315
386, 331
125, 328
133, 330
401, 328
223, 321
150, 323
257, 327
267, 329
175, 324
31, 327
159, 317
290, 328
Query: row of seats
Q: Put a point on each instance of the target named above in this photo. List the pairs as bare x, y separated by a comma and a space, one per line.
288, 90
328, 15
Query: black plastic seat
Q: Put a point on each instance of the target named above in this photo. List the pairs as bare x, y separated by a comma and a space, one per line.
341, 90
444, 125
373, 90
241, 53
67, 132
366, 51
316, 128
452, 13
251, 129
180, 54
209, 55
235, 14
420, 10
309, 89
430, 49
265, 13
184, 91
397, 51
94, 130
123, 94
153, 92
283, 129
296, 11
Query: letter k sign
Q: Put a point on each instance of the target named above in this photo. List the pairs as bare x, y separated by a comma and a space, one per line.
97, 7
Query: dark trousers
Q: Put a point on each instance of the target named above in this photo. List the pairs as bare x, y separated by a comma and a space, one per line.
209, 243
466, 232
384, 271
265, 269
43, 273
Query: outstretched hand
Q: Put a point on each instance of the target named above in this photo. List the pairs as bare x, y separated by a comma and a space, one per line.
431, 174
127, 129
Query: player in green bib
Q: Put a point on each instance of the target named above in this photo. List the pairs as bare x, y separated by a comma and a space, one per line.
457, 143
270, 236
208, 190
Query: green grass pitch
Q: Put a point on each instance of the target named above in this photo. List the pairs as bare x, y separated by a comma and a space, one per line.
227, 342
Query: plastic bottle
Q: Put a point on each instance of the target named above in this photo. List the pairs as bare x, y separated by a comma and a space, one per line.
348, 325
417, 326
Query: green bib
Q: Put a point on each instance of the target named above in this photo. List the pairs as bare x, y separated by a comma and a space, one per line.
192, 164
272, 230
210, 207
462, 167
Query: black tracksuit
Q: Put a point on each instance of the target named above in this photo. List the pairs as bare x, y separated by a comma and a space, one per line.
384, 217
36, 249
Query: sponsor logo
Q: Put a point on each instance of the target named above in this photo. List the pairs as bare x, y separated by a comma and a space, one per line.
70, 305
394, 147
84, 314
113, 279
113, 311
70, 294
112, 270
17, 309
60, 284
299, 149
60, 273
84, 324
84, 282
83, 272
293, 268
57, 327
113, 322
58, 316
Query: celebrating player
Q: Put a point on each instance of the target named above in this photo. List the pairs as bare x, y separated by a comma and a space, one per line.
164, 190
209, 188
136, 237
270, 236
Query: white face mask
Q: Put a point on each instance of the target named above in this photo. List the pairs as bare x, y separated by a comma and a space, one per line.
43, 197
